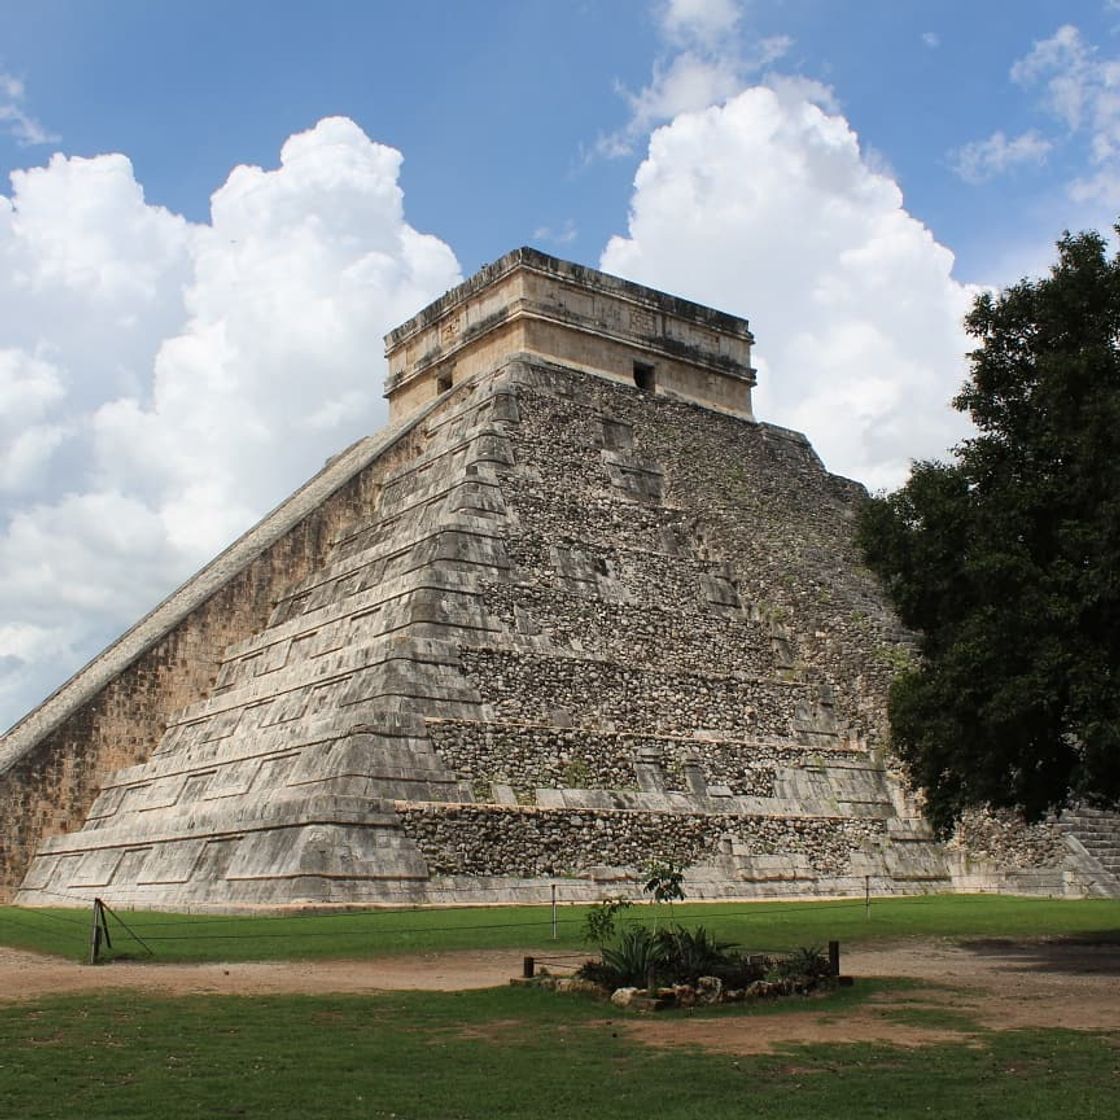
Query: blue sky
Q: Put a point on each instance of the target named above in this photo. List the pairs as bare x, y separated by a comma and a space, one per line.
496, 103
211, 212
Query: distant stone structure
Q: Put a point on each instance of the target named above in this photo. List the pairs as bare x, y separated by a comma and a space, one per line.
575, 610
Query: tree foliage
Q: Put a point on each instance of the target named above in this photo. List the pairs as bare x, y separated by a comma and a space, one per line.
1006, 560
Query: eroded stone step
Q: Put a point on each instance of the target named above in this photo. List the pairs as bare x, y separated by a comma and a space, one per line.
676, 635
458, 546
409, 675
370, 761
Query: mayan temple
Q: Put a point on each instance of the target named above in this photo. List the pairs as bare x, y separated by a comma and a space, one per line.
573, 611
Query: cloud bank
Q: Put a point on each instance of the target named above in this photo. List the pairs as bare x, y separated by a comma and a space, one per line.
766, 207
709, 59
163, 383
982, 160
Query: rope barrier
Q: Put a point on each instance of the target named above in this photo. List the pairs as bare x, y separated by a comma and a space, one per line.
367, 918
632, 920
22, 921
47, 914
128, 929
367, 915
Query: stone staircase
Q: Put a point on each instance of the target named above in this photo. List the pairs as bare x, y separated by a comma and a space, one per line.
1098, 832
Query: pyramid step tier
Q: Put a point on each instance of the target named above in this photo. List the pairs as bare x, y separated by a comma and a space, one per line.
536, 688
535, 762
339, 850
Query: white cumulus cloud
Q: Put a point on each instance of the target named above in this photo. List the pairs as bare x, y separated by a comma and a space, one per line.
982, 160
1080, 88
707, 22
163, 383
765, 207
710, 59
14, 117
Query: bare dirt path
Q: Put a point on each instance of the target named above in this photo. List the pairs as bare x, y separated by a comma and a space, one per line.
28, 975
968, 988
980, 984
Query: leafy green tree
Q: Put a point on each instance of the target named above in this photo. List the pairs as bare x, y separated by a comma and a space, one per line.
1006, 560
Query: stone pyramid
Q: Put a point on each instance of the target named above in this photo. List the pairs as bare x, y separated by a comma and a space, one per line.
583, 612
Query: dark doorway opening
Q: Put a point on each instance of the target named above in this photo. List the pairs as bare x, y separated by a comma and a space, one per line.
443, 383
644, 377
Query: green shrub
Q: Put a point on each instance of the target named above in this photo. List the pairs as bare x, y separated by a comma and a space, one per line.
688, 954
599, 972
670, 956
599, 922
636, 956
809, 963
678, 955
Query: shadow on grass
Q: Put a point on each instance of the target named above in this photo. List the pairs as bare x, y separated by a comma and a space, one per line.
1096, 953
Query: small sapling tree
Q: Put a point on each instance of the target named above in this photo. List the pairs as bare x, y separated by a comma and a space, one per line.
664, 880
599, 925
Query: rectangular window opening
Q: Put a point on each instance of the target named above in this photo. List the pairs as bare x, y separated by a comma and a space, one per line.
644, 377
443, 383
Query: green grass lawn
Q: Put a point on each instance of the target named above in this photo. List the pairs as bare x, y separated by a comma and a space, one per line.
759, 927
503, 1053
522, 1052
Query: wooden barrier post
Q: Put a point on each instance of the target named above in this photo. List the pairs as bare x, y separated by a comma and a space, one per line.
834, 957
95, 933
98, 930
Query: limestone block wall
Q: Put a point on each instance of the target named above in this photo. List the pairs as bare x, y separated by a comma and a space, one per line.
655, 634
114, 711
572, 627
531, 757
1002, 839
528, 757
756, 500
530, 842
531, 688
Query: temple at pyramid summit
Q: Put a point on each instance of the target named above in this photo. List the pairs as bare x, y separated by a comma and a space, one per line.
575, 610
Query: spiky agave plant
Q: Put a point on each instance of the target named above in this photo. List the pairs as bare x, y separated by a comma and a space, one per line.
689, 954
637, 957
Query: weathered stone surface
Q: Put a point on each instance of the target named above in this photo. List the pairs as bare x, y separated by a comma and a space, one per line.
551, 629
624, 997
114, 710
554, 310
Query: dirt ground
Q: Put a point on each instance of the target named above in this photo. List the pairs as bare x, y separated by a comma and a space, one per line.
999, 985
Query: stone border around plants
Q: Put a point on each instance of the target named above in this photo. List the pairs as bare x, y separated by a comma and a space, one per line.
708, 991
